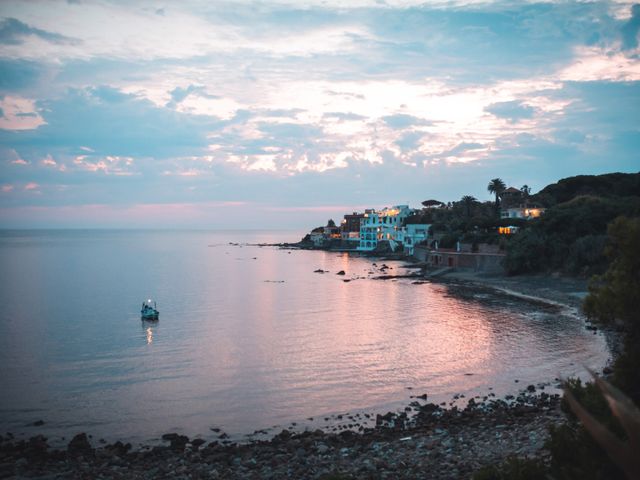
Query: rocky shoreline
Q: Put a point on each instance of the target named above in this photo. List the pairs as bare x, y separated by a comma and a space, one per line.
424, 441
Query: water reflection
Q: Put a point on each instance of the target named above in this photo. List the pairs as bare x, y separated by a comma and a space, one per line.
148, 328
249, 343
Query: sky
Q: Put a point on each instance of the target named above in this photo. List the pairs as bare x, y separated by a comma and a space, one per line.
283, 114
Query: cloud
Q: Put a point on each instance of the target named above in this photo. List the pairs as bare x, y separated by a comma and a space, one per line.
19, 75
178, 94
401, 120
19, 113
631, 29
513, 110
112, 123
14, 32
410, 140
343, 116
109, 94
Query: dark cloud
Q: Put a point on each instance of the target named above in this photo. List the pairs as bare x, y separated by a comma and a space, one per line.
410, 140
13, 32
113, 123
109, 94
343, 116
178, 94
402, 120
631, 28
279, 112
17, 75
514, 110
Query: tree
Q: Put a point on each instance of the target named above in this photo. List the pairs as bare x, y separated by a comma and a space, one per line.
331, 223
615, 296
468, 203
526, 191
432, 203
496, 186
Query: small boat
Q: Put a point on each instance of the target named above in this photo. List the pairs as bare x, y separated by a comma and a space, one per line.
149, 310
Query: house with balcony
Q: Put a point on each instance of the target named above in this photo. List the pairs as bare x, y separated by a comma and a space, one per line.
413, 234
385, 224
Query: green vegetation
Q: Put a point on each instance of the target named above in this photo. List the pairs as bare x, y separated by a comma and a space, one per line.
611, 185
622, 453
571, 235
614, 297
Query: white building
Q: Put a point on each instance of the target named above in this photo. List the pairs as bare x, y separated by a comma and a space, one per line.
385, 224
412, 234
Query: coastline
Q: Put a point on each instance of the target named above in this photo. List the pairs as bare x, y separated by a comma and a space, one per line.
565, 293
423, 441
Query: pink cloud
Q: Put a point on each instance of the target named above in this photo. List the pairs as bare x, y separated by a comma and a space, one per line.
31, 186
48, 161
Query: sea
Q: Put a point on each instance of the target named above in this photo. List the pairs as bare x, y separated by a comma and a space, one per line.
251, 338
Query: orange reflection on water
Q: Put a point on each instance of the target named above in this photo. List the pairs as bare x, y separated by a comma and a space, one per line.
149, 333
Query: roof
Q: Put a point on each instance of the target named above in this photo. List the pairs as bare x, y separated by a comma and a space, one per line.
511, 190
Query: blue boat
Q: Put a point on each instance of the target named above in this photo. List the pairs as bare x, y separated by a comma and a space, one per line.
149, 310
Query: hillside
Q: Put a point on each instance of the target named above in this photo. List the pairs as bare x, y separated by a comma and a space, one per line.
571, 235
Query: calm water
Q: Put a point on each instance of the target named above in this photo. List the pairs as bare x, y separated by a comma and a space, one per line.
248, 337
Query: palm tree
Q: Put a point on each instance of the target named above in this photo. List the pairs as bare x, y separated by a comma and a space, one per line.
496, 186
526, 190
468, 202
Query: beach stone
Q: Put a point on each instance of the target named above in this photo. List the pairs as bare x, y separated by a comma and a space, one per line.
79, 445
322, 448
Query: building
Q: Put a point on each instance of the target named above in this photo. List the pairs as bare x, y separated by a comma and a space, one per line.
350, 227
382, 225
321, 236
521, 211
511, 230
413, 234
510, 197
